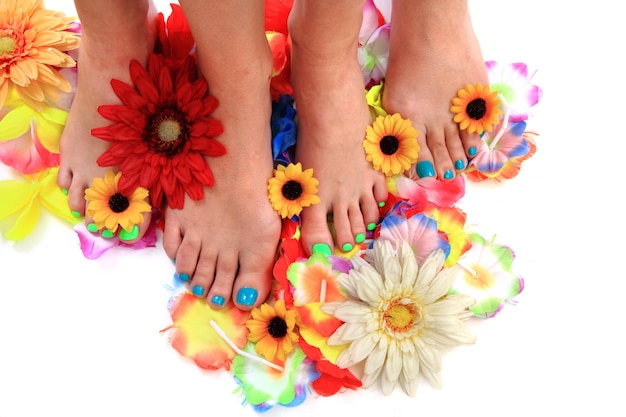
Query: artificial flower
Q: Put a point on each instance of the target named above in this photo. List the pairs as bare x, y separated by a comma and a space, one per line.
109, 208
194, 336
291, 189
373, 55
428, 190
26, 196
486, 275
374, 98
476, 108
399, 317
162, 133
513, 83
451, 222
284, 130
272, 330
174, 42
314, 279
34, 43
391, 144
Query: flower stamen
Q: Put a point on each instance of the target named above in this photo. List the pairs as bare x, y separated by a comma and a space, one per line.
118, 203
400, 317
7, 45
389, 145
292, 190
476, 108
277, 327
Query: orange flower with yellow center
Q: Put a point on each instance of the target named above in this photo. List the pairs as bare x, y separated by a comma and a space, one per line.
109, 208
272, 329
33, 46
391, 144
476, 108
291, 189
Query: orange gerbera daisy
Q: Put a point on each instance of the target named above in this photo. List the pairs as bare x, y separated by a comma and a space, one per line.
391, 144
476, 108
272, 329
291, 189
109, 208
33, 46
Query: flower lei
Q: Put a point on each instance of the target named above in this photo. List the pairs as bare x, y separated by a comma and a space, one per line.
413, 283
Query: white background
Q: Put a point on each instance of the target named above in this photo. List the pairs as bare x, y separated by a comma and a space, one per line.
81, 337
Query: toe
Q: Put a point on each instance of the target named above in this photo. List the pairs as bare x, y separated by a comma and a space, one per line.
443, 164
254, 279
315, 227
187, 257
456, 151
204, 273
172, 237
137, 232
225, 273
343, 228
471, 143
369, 208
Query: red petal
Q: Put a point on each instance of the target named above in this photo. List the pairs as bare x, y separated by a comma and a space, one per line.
128, 95
179, 33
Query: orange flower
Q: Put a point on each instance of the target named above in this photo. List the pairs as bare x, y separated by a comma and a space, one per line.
391, 144
476, 108
272, 329
291, 189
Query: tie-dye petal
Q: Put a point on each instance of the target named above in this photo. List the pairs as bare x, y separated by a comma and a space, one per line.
514, 85
499, 147
451, 221
314, 278
419, 231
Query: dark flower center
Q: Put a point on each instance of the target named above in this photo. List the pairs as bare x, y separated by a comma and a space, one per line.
118, 203
7, 45
167, 132
389, 145
476, 108
292, 190
277, 328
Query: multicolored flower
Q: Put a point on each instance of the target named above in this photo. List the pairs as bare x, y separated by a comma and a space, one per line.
398, 318
284, 130
476, 108
391, 144
34, 43
291, 189
272, 330
513, 83
162, 133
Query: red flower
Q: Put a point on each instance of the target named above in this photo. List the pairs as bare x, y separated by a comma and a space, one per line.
174, 40
162, 132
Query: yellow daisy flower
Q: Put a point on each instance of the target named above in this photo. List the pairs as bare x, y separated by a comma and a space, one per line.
33, 46
476, 108
109, 208
291, 189
391, 144
272, 329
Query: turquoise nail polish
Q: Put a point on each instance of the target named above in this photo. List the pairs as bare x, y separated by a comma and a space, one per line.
448, 174
322, 248
174, 261
198, 291
183, 277
371, 226
64, 191
471, 151
425, 169
75, 214
92, 227
218, 300
107, 234
247, 296
347, 247
359, 238
381, 204
132, 235
459, 164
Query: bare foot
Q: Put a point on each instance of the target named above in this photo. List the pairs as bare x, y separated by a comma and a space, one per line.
102, 57
225, 245
429, 62
332, 116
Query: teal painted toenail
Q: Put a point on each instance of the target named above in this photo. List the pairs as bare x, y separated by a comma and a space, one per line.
92, 227
131, 235
360, 237
459, 164
425, 169
371, 226
247, 296
472, 151
75, 214
381, 204
64, 191
198, 291
183, 277
322, 248
218, 300
347, 247
448, 174
107, 234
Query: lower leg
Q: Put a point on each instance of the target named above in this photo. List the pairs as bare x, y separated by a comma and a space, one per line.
332, 116
433, 53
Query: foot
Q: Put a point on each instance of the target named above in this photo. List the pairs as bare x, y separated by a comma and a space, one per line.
423, 76
99, 62
225, 244
332, 117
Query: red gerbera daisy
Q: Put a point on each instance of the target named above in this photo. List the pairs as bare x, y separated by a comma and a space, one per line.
162, 132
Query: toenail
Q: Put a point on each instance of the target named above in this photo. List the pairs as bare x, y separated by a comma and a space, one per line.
198, 291
75, 214
371, 226
183, 277
448, 174
132, 235
347, 247
107, 234
92, 227
322, 248
472, 151
218, 300
425, 169
247, 296
360, 237
459, 164
381, 204
64, 191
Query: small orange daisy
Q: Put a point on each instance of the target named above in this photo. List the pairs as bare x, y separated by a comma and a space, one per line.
391, 144
476, 108
291, 189
272, 329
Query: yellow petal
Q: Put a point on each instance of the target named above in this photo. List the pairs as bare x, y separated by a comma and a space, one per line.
15, 123
25, 222
15, 195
